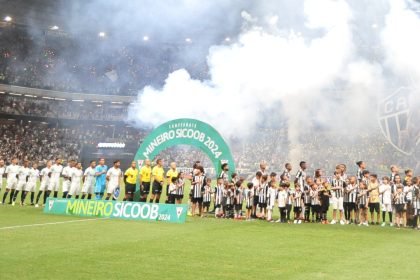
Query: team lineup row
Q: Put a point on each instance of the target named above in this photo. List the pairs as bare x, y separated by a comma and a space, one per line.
352, 197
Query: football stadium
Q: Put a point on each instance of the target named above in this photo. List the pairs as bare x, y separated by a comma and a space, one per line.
223, 139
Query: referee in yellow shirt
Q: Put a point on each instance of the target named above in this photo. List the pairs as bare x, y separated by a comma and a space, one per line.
145, 178
157, 174
130, 180
172, 173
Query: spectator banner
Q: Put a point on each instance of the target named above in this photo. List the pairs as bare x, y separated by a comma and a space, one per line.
173, 213
187, 132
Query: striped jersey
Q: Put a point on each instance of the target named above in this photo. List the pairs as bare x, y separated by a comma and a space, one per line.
290, 197
351, 193
307, 194
298, 199
301, 177
262, 194
315, 197
363, 197
207, 191
249, 197
239, 196
359, 175
218, 195
399, 198
338, 183
197, 188
230, 196
180, 190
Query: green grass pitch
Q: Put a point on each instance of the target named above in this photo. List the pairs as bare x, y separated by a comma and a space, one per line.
205, 248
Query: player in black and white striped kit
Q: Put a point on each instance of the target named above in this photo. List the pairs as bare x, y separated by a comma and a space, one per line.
198, 182
297, 204
218, 199
262, 196
207, 193
179, 195
307, 197
249, 200
351, 198
399, 200
362, 167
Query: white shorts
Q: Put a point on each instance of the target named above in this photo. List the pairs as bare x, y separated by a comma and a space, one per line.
337, 203
12, 183
111, 188
54, 186
21, 185
74, 189
43, 186
386, 207
30, 187
66, 185
88, 187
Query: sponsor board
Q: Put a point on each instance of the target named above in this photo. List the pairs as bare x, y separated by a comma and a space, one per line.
173, 213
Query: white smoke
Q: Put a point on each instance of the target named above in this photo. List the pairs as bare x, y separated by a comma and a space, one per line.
297, 71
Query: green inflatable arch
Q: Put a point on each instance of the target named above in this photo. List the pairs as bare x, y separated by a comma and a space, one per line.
186, 132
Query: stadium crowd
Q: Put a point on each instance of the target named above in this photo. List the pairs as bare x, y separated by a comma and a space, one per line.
62, 109
46, 60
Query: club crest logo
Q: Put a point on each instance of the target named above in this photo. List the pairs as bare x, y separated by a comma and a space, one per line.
395, 115
50, 204
179, 211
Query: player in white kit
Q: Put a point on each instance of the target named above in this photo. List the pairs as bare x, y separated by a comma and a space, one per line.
54, 185
31, 184
89, 180
76, 175
113, 176
66, 173
22, 178
2, 171
11, 172
45, 181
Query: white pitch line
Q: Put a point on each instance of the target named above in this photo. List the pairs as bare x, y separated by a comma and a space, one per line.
53, 223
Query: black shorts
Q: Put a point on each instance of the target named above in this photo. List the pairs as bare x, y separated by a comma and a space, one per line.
206, 204
297, 209
315, 208
157, 188
179, 196
362, 206
238, 207
399, 208
249, 207
255, 200
197, 200
262, 205
130, 188
146, 188
351, 206
374, 207
171, 198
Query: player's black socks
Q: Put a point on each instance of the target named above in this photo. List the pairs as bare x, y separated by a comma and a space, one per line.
390, 216
150, 200
65, 194
38, 196
15, 195
83, 196
32, 197
383, 216
89, 196
107, 198
77, 196
4, 196
46, 195
12, 195
157, 200
124, 199
23, 197
55, 194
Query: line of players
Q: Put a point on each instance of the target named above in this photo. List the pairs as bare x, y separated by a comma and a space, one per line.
22, 179
352, 197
